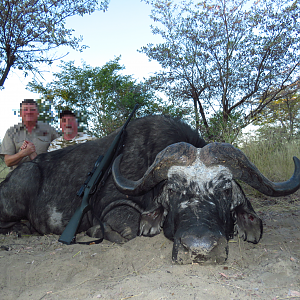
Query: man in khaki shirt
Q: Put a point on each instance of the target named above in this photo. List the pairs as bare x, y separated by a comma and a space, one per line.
24, 141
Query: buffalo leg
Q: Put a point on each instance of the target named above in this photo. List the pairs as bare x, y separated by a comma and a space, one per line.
121, 224
152, 222
16, 191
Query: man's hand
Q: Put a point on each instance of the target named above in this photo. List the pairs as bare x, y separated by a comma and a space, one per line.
24, 145
28, 149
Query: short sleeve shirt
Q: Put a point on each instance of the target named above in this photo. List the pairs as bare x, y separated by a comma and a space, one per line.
60, 142
41, 136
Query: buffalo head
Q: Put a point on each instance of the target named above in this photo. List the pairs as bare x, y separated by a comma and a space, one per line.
203, 204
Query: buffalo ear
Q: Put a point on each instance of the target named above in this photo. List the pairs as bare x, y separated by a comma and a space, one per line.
248, 225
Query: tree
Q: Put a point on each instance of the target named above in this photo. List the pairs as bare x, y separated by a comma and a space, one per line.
283, 112
29, 29
221, 56
102, 95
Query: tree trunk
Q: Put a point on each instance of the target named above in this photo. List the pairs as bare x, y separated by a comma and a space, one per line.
4, 76
9, 62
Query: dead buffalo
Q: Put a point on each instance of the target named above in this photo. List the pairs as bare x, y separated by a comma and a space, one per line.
165, 178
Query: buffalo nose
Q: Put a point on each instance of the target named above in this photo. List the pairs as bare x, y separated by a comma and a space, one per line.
206, 248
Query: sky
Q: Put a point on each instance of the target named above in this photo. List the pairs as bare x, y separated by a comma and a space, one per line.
121, 30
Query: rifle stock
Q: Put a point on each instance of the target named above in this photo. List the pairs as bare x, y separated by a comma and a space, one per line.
70, 231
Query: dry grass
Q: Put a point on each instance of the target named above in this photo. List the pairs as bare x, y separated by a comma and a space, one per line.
4, 170
274, 160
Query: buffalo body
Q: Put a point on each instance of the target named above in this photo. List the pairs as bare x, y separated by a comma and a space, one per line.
167, 178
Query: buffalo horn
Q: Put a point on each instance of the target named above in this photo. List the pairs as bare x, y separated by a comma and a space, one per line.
242, 169
180, 154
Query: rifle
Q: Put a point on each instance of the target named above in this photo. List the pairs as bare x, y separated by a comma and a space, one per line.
99, 173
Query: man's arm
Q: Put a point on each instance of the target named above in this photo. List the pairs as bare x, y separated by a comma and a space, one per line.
27, 149
12, 160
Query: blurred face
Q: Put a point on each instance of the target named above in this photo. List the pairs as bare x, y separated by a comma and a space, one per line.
68, 125
29, 113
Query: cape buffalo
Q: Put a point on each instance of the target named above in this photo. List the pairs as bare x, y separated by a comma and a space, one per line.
166, 177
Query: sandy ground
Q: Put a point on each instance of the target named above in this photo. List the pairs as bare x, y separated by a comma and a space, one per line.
39, 267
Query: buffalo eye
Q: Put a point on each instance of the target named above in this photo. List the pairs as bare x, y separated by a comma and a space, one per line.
227, 192
171, 192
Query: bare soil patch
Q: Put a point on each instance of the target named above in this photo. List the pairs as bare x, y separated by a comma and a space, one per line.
39, 267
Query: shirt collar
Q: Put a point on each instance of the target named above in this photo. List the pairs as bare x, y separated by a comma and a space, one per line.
22, 125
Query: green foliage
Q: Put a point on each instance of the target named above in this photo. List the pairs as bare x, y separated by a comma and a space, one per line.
283, 112
103, 95
45, 111
225, 56
226, 132
30, 28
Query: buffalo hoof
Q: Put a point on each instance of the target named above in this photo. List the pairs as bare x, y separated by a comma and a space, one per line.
95, 232
110, 234
5, 225
208, 248
22, 227
151, 222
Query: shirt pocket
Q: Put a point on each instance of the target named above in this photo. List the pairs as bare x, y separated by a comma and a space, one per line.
44, 138
18, 141
42, 143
